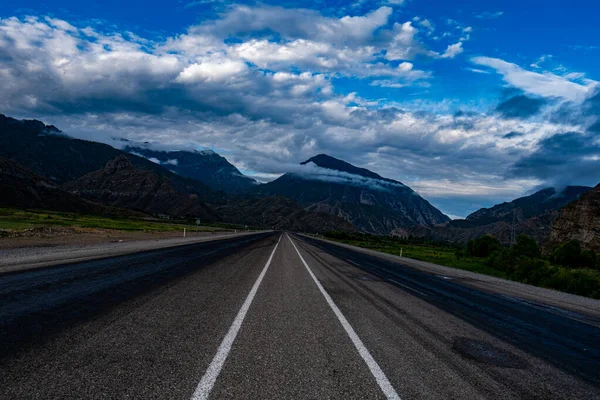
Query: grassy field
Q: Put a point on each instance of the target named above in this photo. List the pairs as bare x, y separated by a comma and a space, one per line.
434, 254
15, 219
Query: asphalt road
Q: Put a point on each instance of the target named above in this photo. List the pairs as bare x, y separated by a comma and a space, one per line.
272, 316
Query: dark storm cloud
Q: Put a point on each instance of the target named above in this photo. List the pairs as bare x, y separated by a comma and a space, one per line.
569, 158
520, 106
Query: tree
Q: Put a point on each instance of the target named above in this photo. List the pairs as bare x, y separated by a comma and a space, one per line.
567, 254
483, 246
526, 246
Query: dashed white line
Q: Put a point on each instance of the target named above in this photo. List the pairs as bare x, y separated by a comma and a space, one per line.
408, 287
377, 372
350, 261
214, 369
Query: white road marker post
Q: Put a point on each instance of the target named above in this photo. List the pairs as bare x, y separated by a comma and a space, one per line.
183, 232
400, 252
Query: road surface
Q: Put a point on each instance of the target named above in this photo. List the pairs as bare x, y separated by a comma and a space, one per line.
278, 316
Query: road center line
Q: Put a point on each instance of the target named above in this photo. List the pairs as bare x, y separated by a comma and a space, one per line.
214, 369
377, 372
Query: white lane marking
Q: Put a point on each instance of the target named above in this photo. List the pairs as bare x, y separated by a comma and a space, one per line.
350, 261
408, 287
214, 369
377, 372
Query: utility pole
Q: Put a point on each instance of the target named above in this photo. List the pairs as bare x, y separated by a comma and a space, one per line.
512, 233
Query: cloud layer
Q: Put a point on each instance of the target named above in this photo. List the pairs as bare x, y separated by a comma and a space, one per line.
258, 84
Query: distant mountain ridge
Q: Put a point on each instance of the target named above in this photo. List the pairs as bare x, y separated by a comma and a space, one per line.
377, 206
533, 215
205, 166
526, 207
60, 158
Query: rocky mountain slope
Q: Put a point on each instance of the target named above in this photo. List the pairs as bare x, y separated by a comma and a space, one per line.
22, 188
533, 216
365, 199
278, 212
121, 184
527, 207
580, 220
205, 166
47, 152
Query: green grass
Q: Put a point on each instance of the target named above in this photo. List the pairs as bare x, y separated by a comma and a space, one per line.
15, 219
430, 253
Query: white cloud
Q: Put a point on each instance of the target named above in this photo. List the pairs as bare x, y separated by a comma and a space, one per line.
212, 71
453, 50
267, 101
541, 84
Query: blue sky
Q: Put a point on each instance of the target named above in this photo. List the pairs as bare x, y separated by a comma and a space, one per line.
470, 103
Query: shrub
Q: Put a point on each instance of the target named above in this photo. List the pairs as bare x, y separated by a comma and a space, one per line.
526, 246
484, 246
588, 259
577, 281
502, 260
567, 254
570, 255
531, 270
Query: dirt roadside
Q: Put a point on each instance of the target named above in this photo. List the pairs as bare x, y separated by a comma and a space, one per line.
25, 253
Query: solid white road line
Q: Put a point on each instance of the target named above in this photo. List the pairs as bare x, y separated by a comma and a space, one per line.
380, 377
212, 373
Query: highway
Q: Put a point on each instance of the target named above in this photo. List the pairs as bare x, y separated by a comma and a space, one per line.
281, 316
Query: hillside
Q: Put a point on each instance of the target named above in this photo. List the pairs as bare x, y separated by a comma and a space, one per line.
365, 199
580, 220
121, 184
22, 188
533, 216
205, 166
278, 212
46, 151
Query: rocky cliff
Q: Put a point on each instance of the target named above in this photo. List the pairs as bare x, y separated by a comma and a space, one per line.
580, 220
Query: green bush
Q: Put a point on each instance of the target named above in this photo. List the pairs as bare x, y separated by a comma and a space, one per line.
577, 281
484, 246
526, 246
531, 270
502, 260
570, 255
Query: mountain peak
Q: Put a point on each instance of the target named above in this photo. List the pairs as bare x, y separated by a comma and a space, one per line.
329, 162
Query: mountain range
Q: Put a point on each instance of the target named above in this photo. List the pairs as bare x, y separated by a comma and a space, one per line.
532, 215
40, 167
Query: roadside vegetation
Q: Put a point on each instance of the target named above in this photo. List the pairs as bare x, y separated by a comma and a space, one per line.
15, 219
567, 267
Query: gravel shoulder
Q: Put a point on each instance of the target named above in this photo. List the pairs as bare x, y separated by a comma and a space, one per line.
576, 307
46, 255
